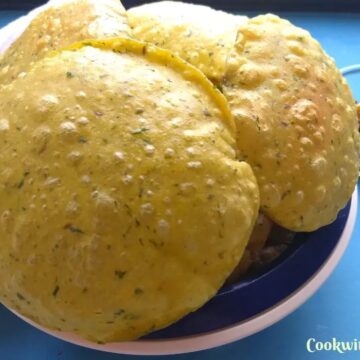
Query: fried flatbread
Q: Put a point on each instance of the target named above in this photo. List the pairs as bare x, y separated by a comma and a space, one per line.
122, 205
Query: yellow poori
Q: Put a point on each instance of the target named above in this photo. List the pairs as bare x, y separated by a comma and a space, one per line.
295, 115
296, 121
59, 25
122, 205
199, 34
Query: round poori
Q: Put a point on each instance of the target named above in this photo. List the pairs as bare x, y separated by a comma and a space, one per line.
296, 121
295, 115
122, 205
61, 24
197, 33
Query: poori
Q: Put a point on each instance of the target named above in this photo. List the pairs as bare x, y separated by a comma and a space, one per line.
60, 24
296, 121
197, 33
295, 115
122, 205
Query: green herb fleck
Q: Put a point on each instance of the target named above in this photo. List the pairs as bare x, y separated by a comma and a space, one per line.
22, 181
20, 297
82, 139
130, 317
120, 274
139, 131
73, 229
119, 312
69, 75
285, 194
139, 111
147, 141
138, 291
56, 290
128, 209
154, 243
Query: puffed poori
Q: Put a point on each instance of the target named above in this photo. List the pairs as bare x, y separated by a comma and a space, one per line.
122, 205
59, 25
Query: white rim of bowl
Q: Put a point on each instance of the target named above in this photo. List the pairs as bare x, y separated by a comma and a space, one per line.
218, 337
235, 332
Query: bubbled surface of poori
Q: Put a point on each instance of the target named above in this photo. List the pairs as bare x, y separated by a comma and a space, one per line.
122, 205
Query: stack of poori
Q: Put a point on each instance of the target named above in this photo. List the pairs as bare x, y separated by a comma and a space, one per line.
138, 147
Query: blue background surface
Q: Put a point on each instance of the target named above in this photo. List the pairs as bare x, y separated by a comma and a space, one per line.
333, 311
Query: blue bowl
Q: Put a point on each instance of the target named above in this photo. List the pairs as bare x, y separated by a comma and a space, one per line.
244, 308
